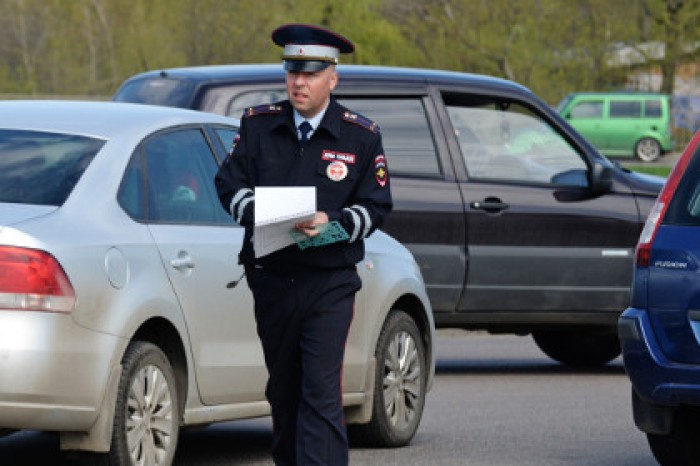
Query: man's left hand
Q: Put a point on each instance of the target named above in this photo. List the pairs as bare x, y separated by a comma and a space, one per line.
310, 228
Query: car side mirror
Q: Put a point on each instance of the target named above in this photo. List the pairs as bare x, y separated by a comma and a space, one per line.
601, 176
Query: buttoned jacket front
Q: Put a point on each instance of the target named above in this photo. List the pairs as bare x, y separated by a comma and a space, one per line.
343, 159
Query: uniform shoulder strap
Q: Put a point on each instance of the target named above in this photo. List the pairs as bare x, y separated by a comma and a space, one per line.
262, 110
360, 120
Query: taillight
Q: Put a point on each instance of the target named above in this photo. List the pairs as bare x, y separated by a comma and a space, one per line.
643, 253
33, 280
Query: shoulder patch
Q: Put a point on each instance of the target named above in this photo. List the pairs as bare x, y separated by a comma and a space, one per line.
262, 110
358, 119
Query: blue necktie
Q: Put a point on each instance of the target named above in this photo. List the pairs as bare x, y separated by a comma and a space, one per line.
305, 128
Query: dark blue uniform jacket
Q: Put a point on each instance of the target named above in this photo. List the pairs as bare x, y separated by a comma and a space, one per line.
344, 160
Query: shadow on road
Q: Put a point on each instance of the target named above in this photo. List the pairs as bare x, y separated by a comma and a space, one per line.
238, 442
524, 367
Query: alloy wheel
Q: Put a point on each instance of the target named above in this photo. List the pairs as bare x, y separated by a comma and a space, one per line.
149, 423
402, 380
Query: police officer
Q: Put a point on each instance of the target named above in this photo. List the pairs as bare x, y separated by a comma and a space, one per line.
304, 298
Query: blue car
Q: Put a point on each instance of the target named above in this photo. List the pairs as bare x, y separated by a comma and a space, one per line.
660, 331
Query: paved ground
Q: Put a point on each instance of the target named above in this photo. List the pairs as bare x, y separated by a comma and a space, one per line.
669, 159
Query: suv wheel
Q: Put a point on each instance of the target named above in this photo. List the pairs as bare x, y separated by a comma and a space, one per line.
680, 447
147, 414
578, 348
647, 149
400, 384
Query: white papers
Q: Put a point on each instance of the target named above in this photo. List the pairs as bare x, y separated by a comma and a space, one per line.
277, 210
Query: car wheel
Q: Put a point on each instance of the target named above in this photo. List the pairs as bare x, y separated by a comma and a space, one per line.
147, 414
578, 348
647, 149
400, 385
679, 447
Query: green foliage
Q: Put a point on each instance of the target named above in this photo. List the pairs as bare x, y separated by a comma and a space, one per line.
89, 47
660, 170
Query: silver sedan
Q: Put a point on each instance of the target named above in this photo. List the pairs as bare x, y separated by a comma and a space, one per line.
124, 314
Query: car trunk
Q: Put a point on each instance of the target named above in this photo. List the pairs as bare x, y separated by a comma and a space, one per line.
674, 292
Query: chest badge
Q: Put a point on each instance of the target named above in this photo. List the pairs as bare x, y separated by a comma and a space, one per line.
337, 171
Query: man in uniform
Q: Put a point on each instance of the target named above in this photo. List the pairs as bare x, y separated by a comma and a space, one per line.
304, 299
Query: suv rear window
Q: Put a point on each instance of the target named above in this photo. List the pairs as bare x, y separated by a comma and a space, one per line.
42, 168
166, 92
652, 108
406, 136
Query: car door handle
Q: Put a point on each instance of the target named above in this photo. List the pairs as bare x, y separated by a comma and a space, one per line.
489, 205
182, 262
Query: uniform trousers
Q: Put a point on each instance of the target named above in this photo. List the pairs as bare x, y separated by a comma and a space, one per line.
303, 319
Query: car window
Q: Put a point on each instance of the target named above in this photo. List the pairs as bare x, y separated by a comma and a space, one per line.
684, 208
408, 141
625, 109
226, 135
588, 109
250, 99
157, 91
652, 108
170, 180
42, 168
406, 136
506, 141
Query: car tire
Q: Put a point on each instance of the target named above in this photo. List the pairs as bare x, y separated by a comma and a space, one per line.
400, 385
578, 348
147, 413
679, 447
647, 150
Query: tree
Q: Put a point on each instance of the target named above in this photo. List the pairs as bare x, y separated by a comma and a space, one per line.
677, 22
552, 46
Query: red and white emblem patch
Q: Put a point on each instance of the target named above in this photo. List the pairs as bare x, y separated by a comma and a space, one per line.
330, 156
337, 171
380, 170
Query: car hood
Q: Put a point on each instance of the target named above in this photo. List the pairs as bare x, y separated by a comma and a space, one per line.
11, 214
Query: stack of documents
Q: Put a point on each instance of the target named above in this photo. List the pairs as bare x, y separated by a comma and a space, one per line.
277, 210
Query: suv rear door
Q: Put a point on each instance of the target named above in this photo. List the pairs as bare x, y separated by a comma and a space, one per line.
428, 216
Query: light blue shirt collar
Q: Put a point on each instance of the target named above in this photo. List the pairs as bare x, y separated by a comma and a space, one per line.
314, 122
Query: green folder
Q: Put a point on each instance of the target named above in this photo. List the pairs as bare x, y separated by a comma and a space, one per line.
329, 233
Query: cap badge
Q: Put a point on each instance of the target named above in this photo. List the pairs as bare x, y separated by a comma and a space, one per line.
337, 171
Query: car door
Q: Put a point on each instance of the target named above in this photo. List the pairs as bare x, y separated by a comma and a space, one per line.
199, 244
587, 115
624, 124
538, 238
428, 214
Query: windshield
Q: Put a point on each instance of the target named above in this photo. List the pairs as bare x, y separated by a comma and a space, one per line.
159, 91
42, 168
564, 102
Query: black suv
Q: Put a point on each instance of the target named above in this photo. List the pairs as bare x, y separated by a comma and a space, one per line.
519, 225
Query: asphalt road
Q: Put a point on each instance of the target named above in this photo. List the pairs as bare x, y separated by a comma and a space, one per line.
496, 401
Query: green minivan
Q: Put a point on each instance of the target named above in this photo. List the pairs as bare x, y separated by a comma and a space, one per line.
622, 124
